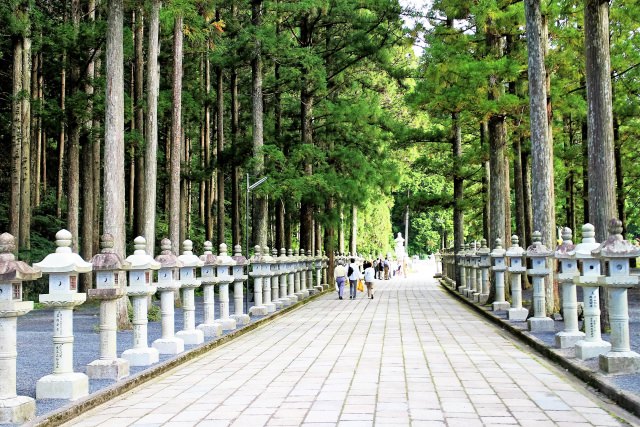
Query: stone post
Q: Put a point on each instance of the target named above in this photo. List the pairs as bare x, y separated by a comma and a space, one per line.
167, 284
470, 273
291, 268
318, 266
438, 260
208, 280
325, 269
188, 283
268, 261
139, 288
462, 286
538, 253
310, 273
14, 409
240, 262
485, 263
516, 267
592, 345
224, 264
617, 252
275, 279
499, 267
568, 270
63, 268
298, 267
476, 280
283, 269
257, 272
108, 265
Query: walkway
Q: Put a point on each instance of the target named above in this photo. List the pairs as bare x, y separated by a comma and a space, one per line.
411, 356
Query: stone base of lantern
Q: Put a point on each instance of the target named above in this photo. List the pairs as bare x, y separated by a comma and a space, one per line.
301, 295
293, 299
193, 337
620, 362
141, 356
462, 289
476, 297
312, 291
500, 306
241, 319
70, 386
568, 339
278, 303
286, 301
319, 288
210, 329
589, 349
227, 324
541, 324
518, 314
271, 307
483, 298
17, 410
169, 345
114, 369
258, 310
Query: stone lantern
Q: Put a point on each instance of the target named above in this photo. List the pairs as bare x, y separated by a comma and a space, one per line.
258, 273
325, 268
208, 279
592, 345
617, 252
63, 268
168, 283
283, 269
484, 253
474, 266
275, 279
318, 267
298, 268
499, 267
538, 254
438, 259
14, 409
188, 284
568, 266
462, 286
108, 266
238, 284
224, 264
310, 273
139, 288
268, 261
291, 263
515, 256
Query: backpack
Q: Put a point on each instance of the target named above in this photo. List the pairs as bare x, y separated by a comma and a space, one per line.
349, 271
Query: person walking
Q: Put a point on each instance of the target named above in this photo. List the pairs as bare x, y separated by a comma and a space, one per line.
353, 272
386, 268
369, 277
340, 275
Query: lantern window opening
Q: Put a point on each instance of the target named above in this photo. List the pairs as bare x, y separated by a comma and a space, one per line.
115, 279
147, 277
73, 283
17, 291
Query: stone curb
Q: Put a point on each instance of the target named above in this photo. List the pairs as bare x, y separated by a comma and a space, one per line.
74, 409
625, 400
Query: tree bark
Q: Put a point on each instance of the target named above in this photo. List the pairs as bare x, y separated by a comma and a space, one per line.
219, 153
139, 187
16, 141
620, 193
602, 189
114, 187
176, 138
353, 238
151, 134
260, 213
458, 189
236, 221
486, 182
541, 148
25, 189
62, 137
73, 190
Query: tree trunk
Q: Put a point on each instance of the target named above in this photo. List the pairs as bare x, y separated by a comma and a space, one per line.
541, 148
73, 190
139, 187
602, 189
486, 182
236, 220
114, 187
220, 148
620, 193
25, 189
16, 141
176, 138
62, 137
585, 171
341, 231
458, 189
353, 238
260, 213
151, 134
517, 183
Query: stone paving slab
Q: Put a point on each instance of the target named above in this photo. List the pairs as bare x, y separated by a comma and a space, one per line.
411, 356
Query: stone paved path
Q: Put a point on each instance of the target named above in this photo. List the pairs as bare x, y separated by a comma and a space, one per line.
411, 356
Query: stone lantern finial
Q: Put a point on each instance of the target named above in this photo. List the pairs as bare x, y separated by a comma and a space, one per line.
498, 243
165, 245
274, 252
615, 228
63, 241
536, 237
106, 243
208, 247
187, 247
7, 246
222, 249
588, 233
237, 250
483, 243
567, 235
515, 241
139, 244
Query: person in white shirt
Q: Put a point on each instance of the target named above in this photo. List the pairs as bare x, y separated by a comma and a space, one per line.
369, 277
340, 274
353, 271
